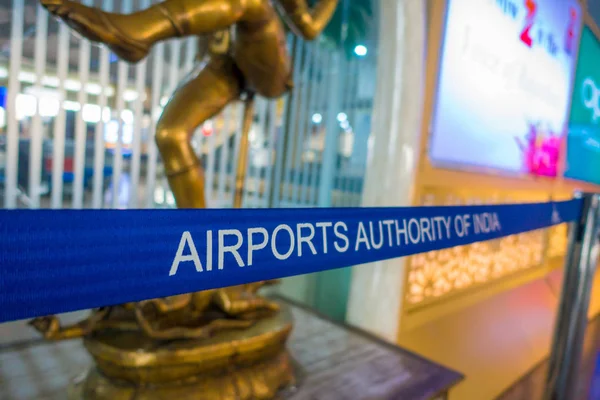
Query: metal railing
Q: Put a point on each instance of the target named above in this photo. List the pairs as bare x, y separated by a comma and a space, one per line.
68, 95
572, 318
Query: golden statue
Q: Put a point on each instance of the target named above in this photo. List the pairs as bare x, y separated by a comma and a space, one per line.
217, 344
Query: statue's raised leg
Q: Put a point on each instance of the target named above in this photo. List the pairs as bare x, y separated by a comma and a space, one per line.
130, 36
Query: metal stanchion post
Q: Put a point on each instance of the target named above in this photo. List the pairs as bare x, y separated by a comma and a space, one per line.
571, 322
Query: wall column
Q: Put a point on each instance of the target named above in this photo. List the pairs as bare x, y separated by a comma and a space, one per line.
377, 289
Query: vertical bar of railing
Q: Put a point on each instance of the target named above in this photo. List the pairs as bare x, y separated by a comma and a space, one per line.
58, 142
122, 79
317, 68
12, 125
80, 124
99, 145
299, 132
250, 194
191, 49
122, 75
138, 115
291, 131
136, 145
274, 193
224, 154
238, 117
272, 152
279, 157
253, 177
157, 79
37, 133
315, 168
210, 164
332, 128
348, 106
571, 322
348, 184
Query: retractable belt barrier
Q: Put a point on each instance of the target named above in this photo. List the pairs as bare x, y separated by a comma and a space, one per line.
54, 261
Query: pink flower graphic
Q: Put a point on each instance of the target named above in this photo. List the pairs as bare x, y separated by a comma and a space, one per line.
541, 152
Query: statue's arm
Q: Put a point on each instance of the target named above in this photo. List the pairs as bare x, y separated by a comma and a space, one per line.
306, 22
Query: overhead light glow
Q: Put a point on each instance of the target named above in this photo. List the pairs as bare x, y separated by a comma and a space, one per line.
93, 88
360, 50
130, 95
72, 85
51, 81
71, 105
26, 106
91, 113
127, 117
49, 107
28, 77
106, 114
317, 118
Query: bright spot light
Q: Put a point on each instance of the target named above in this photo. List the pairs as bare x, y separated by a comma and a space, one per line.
130, 95
91, 113
93, 88
317, 118
72, 85
106, 115
341, 117
28, 77
159, 195
49, 107
71, 105
360, 50
26, 106
111, 132
127, 117
170, 198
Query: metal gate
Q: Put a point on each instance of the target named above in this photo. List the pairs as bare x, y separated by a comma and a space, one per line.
77, 125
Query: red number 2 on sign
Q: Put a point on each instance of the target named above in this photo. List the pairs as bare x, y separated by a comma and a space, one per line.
531, 7
571, 30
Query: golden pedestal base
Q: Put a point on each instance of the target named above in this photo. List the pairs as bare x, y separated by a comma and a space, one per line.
260, 381
240, 365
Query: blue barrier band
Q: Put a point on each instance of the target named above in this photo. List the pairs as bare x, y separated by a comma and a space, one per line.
58, 261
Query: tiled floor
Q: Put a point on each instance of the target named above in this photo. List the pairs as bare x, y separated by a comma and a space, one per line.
337, 364
40, 371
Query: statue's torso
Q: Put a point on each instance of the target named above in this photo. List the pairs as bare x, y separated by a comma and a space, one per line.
259, 49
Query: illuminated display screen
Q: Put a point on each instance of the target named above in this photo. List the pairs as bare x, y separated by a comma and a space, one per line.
504, 84
583, 140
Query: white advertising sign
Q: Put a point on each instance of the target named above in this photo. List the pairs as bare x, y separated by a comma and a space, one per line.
505, 80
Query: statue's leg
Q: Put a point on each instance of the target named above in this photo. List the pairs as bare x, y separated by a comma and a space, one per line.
242, 301
186, 332
169, 304
217, 84
130, 36
50, 326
